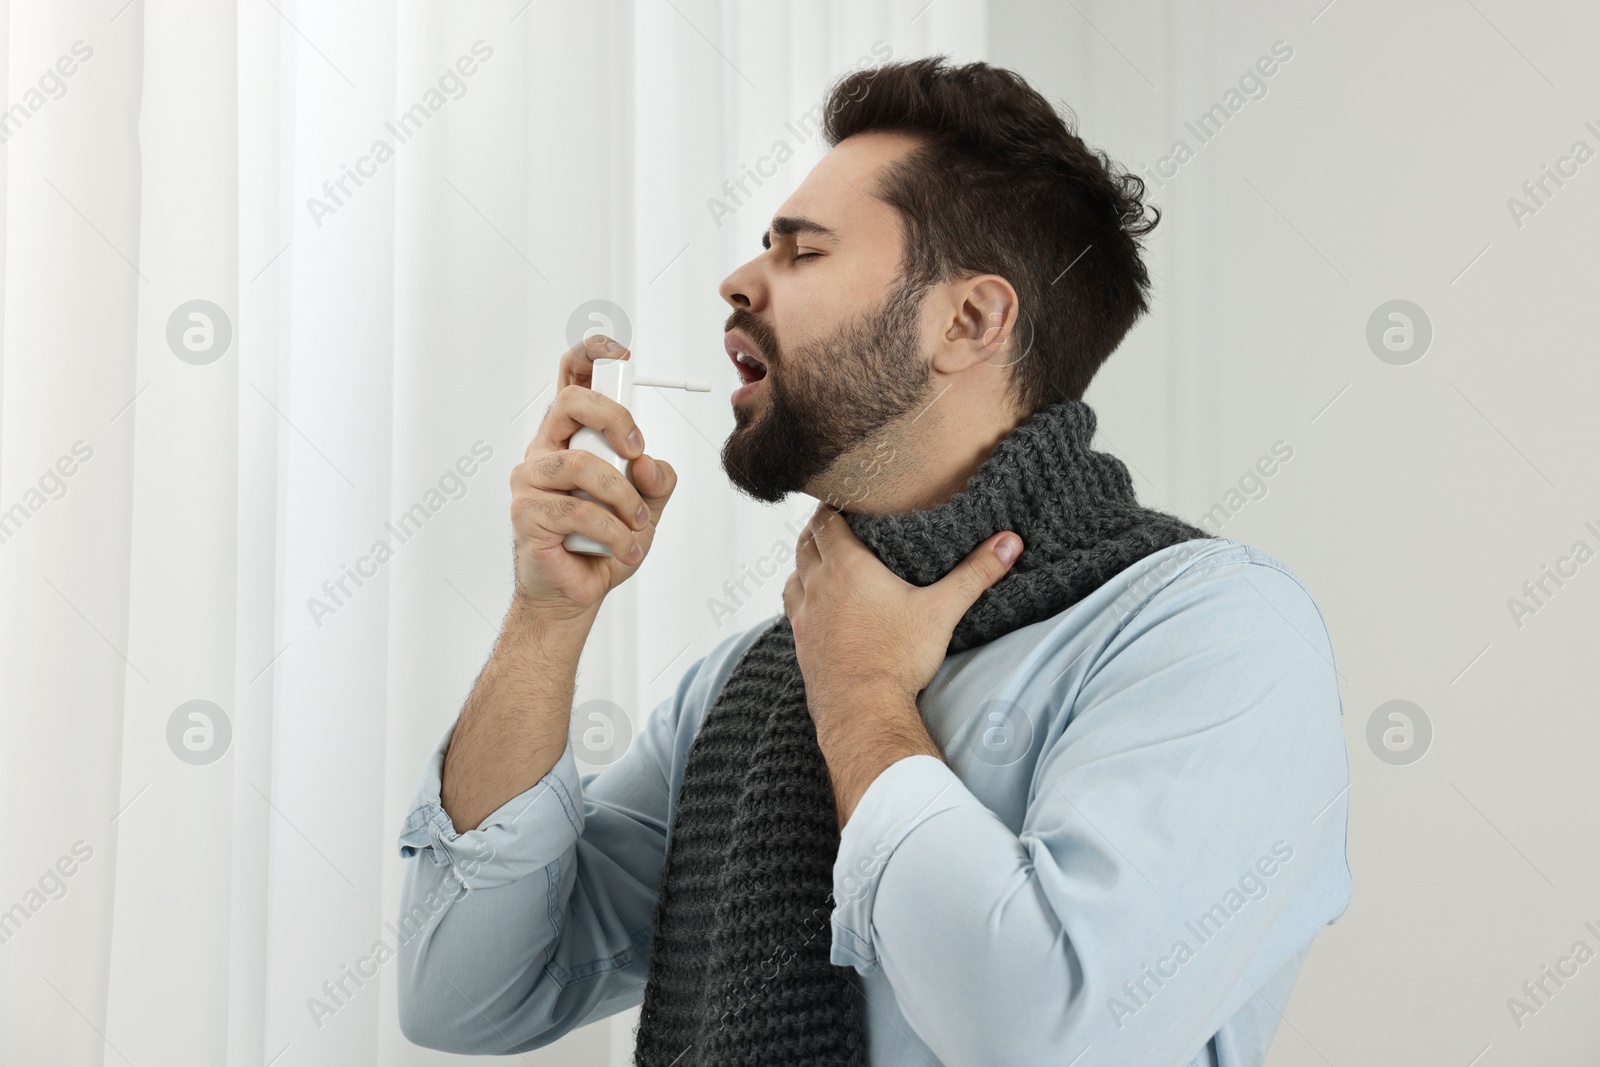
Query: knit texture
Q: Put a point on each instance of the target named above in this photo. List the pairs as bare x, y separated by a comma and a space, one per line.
739, 972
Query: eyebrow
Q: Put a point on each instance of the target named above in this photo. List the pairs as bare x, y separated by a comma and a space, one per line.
788, 225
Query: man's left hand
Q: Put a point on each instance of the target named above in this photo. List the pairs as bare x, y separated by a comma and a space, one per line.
867, 641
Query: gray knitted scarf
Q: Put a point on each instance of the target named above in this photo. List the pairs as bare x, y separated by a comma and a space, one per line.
739, 970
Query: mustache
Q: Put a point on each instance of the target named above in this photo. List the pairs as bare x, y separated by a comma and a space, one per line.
758, 331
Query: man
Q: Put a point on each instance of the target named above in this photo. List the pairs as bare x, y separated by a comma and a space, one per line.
1024, 773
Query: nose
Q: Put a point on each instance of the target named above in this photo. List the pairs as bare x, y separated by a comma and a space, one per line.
745, 288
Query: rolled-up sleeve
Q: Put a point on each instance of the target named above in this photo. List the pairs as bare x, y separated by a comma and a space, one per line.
1183, 841
506, 846
538, 921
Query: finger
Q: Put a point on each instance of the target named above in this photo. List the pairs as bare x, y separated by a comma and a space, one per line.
984, 566
837, 536
816, 529
645, 538
576, 469
576, 407
807, 550
561, 514
655, 479
577, 363
806, 554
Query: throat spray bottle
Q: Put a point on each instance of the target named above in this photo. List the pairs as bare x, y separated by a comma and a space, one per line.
615, 379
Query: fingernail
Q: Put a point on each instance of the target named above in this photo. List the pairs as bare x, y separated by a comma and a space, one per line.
641, 515
612, 346
635, 552
634, 440
1007, 550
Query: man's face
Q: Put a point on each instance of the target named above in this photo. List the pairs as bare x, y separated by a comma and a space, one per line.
823, 310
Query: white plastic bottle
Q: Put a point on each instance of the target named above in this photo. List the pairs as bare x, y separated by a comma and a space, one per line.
615, 378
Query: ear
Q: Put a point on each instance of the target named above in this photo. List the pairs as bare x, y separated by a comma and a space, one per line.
982, 319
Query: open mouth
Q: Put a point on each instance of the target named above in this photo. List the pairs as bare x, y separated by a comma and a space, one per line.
750, 366
750, 369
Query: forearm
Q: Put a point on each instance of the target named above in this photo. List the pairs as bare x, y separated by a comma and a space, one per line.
513, 727
862, 741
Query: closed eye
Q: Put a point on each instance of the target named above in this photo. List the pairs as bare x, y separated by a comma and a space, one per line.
807, 255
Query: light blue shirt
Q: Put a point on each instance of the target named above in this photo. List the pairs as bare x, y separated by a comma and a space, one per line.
1137, 830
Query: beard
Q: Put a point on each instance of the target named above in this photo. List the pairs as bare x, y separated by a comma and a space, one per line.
827, 397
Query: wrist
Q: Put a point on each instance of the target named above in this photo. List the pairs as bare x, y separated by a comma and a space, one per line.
869, 719
854, 763
861, 705
547, 627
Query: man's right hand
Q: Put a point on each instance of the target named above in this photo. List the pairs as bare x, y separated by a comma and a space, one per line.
564, 586
515, 723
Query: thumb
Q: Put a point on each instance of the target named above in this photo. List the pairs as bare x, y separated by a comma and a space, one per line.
984, 566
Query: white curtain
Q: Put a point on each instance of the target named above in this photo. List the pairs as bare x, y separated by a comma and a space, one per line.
243, 345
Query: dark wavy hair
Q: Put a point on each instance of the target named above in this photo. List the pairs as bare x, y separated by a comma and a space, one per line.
1002, 184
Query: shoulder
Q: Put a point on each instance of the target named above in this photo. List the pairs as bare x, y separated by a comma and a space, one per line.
1221, 674
1210, 576
1233, 604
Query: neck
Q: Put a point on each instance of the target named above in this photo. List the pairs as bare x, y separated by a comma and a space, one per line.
1074, 508
915, 463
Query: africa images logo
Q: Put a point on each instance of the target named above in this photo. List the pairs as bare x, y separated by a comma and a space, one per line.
452, 485
450, 85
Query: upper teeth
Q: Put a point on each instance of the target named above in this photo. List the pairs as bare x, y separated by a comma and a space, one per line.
742, 358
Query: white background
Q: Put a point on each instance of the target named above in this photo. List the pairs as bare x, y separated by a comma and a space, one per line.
374, 345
